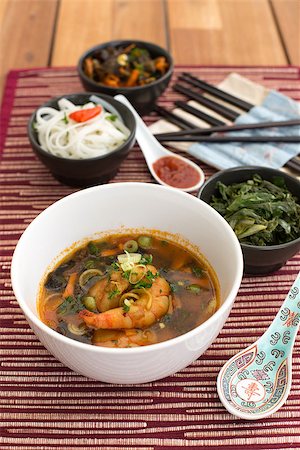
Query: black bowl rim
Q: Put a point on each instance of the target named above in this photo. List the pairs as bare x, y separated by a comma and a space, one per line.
85, 160
255, 169
115, 43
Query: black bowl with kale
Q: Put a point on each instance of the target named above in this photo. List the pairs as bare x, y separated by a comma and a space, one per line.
263, 207
139, 70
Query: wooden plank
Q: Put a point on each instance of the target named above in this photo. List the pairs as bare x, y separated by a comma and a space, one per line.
3, 6
26, 34
288, 18
224, 32
85, 23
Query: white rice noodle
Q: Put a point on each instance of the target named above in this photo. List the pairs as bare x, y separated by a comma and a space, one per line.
63, 137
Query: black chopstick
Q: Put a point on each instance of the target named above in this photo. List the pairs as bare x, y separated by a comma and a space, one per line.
220, 109
188, 78
173, 118
293, 164
197, 113
224, 128
223, 139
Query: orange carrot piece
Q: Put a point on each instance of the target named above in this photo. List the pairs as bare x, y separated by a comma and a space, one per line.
132, 80
110, 252
88, 67
180, 261
202, 282
69, 289
161, 64
112, 80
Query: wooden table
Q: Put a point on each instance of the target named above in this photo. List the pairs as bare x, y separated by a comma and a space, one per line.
38, 33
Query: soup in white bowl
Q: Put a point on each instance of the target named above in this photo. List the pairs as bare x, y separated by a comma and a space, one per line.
130, 210
128, 290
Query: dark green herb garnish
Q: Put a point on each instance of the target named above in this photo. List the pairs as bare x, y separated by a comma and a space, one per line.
112, 117
126, 308
143, 284
173, 286
115, 266
126, 274
93, 249
113, 293
164, 243
197, 271
71, 305
260, 212
146, 259
194, 288
166, 319
147, 281
65, 119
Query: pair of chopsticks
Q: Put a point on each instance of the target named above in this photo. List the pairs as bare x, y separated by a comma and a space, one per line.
192, 133
198, 134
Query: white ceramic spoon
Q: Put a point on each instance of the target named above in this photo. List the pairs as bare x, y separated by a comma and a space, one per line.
153, 150
256, 382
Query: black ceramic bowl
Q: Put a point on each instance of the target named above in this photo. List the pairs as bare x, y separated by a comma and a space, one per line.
90, 171
257, 260
143, 98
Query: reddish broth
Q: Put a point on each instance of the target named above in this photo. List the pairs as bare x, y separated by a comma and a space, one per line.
78, 283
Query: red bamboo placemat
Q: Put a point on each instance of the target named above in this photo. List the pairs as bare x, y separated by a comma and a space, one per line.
43, 404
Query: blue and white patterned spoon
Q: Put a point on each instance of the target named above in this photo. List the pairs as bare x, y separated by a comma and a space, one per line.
256, 382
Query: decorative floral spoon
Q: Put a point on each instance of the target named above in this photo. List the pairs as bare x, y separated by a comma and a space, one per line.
153, 150
256, 382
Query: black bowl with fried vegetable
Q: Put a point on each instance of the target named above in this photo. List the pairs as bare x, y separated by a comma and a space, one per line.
139, 70
262, 205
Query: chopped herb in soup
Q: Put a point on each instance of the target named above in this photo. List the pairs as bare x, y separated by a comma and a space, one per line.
128, 291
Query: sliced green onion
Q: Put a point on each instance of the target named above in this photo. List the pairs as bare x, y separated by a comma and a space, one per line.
130, 257
79, 330
146, 259
137, 273
128, 260
212, 306
90, 303
90, 264
131, 246
126, 305
145, 241
87, 275
194, 288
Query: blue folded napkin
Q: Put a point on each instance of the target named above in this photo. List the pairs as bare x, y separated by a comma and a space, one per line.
275, 107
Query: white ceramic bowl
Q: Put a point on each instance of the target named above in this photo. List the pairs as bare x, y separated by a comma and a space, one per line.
109, 207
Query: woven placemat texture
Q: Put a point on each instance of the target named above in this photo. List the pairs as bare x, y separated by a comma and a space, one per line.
45, 405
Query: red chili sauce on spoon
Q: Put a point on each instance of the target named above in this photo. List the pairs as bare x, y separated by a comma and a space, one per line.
176, 172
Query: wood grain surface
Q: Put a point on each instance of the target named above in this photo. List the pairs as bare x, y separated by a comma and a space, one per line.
221, 31
287, 13
85, 23
243, 32
27, 28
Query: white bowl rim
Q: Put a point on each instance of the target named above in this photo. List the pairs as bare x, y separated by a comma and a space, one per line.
135, 350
